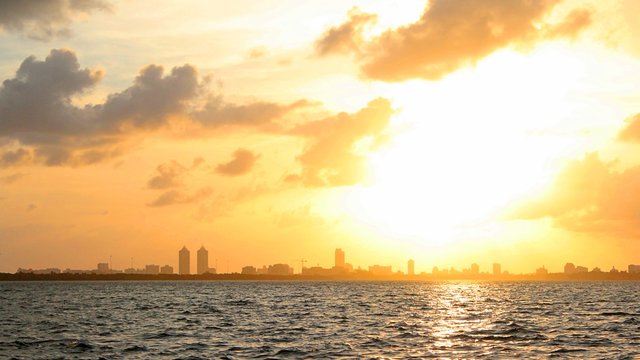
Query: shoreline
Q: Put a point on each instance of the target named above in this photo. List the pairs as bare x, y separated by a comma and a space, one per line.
8, 277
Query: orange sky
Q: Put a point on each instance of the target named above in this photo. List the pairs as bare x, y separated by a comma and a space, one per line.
449, 132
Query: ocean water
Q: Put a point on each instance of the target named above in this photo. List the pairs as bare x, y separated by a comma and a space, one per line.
289, 319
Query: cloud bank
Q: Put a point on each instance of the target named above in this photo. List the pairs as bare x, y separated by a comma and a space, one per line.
590, 195
448, 36
41, 124
332, 157
45, 19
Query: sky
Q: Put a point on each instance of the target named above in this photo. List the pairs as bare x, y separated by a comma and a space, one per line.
449, 132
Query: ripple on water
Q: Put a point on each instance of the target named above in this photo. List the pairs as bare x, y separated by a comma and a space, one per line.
319, 320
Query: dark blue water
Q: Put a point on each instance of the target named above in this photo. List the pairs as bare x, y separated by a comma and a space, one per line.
319, 320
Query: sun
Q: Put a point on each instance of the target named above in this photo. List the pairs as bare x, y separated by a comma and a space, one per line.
465, 154
433, 190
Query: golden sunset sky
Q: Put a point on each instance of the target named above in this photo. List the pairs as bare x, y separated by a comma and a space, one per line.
445, 131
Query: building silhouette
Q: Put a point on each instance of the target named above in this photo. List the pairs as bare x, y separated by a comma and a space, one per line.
581, 270
569, 268
103, 268
380, 270
203, 260
317, 270
497, 269
249, 270
167, 269
475, 269
152, 269
184, 263
280, 269
411, 267
339, 262
47, 271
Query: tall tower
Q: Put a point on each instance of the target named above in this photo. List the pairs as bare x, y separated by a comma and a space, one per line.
184, 263
497, 269
339, 258
203, 260
411, 267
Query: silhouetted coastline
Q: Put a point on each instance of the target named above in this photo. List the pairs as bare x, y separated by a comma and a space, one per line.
345, 277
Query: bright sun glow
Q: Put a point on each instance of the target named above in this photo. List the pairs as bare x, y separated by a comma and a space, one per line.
449, 169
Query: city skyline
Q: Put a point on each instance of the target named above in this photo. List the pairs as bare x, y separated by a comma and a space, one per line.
340, 268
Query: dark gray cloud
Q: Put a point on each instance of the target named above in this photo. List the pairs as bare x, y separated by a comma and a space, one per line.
450, 35
15, 157
330, 158
152, 100
45, 19
241, 163
38, 99
175, 197
38, 116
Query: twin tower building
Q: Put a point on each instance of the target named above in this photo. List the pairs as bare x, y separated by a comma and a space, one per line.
184, 262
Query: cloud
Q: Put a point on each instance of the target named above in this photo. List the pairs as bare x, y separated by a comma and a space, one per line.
347, 37
174, 197
38, 99
10, 179
196, 163
241, 163
151, 101
631, 132
217, 113
331, 157
573, 24
450, 35
39, 122
15, 157
590, 195
44, 20
257, 53
168, 175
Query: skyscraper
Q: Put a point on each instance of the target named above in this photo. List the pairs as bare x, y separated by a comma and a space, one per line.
203, 260
339, 258
184, 263
475, 268
411, 267
497, 269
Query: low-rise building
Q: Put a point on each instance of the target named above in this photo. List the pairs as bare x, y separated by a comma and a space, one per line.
280, 269
380, 270
249, 270
152, 269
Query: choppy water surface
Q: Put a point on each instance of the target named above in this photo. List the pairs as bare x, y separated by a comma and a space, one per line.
319, 319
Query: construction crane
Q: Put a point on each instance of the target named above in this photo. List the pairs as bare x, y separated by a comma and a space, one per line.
302, 261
